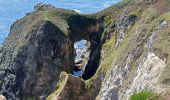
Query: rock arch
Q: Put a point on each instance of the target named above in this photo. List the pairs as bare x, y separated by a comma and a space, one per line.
40, 46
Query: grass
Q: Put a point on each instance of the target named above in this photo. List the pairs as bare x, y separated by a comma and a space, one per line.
110, 20
144, 95
147, 21
168, 1
59, 86
163, 45
54, 17
137, 13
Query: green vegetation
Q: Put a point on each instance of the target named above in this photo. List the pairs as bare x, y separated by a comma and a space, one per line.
168, 1
137, 13
148, 19
61, 12
54, 16
115, 8
59, 86
144, 95
110, 20
164, 49
133, 42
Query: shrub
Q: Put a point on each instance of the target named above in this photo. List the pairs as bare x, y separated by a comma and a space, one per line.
144, 95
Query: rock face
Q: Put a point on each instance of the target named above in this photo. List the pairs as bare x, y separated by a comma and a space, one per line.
134, 54
73, 88
139, 62
69, 85
39, 47
145, 77
42, 6
122, 25
35, 63
129, 53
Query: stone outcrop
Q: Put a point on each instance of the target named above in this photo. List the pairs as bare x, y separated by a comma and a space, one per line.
39, 47
42, 6
122, 25
74, 88
34, 61
139, 62
71, 87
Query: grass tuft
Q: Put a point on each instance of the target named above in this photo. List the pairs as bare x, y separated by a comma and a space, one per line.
144, 95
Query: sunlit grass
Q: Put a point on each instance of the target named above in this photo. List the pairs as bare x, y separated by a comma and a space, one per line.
144, 95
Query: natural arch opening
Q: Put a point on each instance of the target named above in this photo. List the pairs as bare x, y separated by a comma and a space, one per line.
90, 29
82, 52
87, 57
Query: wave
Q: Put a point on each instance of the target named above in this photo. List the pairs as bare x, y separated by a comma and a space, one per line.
78, 11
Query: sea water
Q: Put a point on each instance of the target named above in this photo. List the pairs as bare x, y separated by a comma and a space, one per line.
11, 10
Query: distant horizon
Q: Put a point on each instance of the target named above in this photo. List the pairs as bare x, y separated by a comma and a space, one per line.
11, 10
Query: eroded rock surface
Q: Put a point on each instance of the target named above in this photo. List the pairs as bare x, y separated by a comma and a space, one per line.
36, 63
39, 47
71, 88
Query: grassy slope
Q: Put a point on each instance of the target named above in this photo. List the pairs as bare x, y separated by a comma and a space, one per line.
145, 95
152, 17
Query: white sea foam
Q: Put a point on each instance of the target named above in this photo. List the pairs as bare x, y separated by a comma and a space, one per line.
78, 11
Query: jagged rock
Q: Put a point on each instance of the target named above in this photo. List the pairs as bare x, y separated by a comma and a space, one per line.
41, 6
79, 61
71, 88
74, 88
37, 50
122, 25
35, 61
78, 67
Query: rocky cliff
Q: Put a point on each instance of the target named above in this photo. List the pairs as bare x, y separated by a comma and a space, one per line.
129, 53
39, 47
